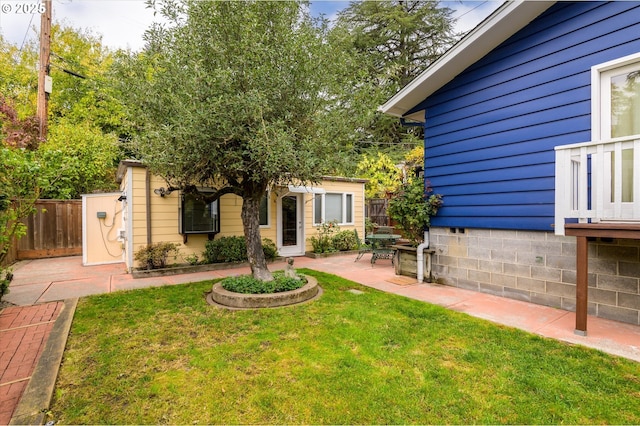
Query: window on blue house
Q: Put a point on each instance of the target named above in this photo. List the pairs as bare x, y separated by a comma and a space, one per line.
616, 115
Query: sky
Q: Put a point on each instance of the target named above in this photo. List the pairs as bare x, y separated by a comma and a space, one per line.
121, 23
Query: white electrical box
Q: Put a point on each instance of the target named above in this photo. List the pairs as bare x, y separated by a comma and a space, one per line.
48, 84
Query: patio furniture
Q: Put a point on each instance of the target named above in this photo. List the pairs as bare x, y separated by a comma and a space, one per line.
384, 230
382, 246
363, 247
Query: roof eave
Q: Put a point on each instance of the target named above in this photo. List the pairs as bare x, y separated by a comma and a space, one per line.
505, 21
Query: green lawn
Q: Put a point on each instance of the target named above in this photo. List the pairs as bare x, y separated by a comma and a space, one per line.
162, 355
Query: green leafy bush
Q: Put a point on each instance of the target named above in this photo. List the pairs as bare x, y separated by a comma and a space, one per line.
246, 284
413, 207
330, 239
192, 259
269, 248
234, 249
155, 256
5, 279
225, 249
321, 242
345, 240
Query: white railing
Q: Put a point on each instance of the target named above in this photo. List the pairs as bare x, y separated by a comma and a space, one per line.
598, 181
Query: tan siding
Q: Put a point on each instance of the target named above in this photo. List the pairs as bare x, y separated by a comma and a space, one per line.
165, 214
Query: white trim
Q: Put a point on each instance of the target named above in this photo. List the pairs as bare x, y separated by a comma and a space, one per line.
597, 106
343, 208
306, 189
127, 217
84, 230
505, 21
299, 248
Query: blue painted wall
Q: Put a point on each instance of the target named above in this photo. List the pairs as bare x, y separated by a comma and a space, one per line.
490, 133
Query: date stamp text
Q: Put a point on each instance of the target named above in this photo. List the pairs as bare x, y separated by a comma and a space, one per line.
22, 8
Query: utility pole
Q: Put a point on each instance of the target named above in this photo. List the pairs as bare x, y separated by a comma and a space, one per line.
44, 81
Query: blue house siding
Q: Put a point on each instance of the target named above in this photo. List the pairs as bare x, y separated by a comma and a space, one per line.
490, 133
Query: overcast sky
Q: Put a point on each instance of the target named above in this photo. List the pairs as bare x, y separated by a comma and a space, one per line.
121, 23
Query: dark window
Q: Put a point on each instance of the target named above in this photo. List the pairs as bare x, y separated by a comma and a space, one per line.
199, 217
264, 210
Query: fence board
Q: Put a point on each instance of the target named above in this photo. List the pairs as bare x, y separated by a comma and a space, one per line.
378, 211
54, 230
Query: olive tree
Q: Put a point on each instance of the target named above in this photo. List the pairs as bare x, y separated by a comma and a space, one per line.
237, 96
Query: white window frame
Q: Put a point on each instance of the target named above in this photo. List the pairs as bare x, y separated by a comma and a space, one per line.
601, 130
601, 105
345, 201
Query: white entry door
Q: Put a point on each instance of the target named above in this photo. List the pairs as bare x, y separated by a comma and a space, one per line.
290, 226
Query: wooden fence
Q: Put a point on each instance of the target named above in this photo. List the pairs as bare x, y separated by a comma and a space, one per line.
55, 230
377, 211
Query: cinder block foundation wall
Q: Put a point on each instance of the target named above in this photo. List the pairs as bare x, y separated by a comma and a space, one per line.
540, 267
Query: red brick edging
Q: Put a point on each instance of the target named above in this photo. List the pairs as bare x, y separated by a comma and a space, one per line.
23, 334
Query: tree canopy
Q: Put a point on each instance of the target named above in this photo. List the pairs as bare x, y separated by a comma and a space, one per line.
81, 150
395, 41
240, 96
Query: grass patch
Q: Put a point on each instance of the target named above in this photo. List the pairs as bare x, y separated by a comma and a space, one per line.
162, 355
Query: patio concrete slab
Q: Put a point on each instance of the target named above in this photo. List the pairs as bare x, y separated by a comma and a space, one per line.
77, 288
25, 294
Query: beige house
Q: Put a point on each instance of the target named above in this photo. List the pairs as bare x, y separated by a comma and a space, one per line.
147, 213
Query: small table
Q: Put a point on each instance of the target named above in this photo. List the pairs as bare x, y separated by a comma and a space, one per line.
381, 246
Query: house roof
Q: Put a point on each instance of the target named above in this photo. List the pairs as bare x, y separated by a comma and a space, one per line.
122, 168
505, 21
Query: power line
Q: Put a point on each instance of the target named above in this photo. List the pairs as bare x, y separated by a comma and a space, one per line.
26, 32
470, 10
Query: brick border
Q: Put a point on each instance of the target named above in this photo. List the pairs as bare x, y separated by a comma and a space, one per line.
37, 396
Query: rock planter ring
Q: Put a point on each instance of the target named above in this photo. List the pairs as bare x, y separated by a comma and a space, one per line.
232, 300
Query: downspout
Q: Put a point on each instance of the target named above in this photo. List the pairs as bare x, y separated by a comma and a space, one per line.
147, 179
425, 241
420, 256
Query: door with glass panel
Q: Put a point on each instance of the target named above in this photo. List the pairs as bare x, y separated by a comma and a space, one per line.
290, 238
620, 122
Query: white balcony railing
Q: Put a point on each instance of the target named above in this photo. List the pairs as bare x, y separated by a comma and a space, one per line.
598, 181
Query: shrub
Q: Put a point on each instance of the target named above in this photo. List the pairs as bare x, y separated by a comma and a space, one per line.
5, 279
192, 259
322, 242
234, 249
330, 239
225, 249
246, 284
413, 208
345, 240
154, 256
269, 248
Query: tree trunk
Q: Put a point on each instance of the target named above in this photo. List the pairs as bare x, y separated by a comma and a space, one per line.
251, 224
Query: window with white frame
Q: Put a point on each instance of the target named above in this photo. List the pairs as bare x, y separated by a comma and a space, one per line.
619, 98
331, 207
616, 115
